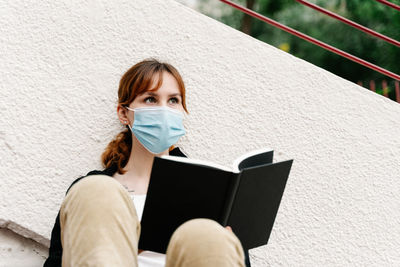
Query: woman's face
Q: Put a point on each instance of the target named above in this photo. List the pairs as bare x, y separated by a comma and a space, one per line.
167, 95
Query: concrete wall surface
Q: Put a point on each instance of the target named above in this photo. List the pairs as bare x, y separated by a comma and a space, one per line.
61, 62
17, 251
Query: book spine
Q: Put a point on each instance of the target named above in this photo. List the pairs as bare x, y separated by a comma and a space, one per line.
230, 198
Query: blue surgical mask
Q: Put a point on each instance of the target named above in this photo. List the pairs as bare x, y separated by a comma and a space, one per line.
157, 128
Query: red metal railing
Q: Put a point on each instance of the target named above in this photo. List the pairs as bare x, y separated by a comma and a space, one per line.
313, 40
385, 89
350, 22
389, 4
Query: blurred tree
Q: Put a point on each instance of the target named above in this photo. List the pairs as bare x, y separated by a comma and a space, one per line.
246, 21
369, 13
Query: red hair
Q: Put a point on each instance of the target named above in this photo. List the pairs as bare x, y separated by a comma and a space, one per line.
136, 81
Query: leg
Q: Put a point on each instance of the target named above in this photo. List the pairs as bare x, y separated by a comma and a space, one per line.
99, 225
203, 242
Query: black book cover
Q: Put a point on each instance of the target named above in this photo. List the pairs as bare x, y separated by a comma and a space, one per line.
180, 191
177, 193
257, 201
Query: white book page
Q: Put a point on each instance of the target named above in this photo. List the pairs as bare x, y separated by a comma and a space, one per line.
198, 162
234, 168
238, 160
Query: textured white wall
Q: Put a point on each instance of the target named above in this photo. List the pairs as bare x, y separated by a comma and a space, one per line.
60, 67
17, 251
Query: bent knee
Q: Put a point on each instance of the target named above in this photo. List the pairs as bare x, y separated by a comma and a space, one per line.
99, 194
200, 225
201, 230
205, 239
98, 183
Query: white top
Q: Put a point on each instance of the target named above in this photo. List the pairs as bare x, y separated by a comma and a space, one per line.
146, 258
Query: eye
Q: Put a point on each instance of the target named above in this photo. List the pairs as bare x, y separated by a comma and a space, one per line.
150, 100
174, 100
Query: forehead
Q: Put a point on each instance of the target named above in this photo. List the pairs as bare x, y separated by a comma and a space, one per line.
169, 85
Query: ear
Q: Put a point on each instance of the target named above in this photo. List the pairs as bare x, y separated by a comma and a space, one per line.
123, 115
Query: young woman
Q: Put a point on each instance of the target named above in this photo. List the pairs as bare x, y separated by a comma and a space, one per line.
99, 219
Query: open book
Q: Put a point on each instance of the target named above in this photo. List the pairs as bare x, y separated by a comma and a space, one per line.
246, 197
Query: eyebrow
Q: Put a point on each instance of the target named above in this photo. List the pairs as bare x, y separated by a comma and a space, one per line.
155, 94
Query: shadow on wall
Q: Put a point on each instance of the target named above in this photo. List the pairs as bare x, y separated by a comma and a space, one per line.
18, 251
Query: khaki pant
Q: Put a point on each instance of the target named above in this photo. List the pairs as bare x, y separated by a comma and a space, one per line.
99, 227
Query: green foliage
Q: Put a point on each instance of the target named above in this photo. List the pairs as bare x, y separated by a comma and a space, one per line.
369, 13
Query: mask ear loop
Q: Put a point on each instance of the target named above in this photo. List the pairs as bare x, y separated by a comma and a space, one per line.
128, 124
